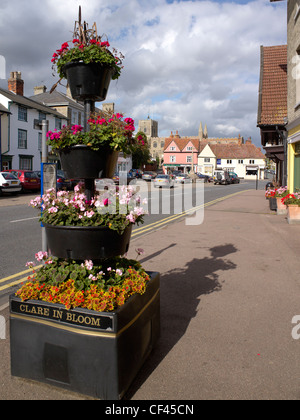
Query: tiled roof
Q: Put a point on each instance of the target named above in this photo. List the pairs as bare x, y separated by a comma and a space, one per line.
235, 151
182, 142
30, 103
272, 107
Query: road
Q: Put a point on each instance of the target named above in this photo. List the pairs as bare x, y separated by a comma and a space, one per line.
21, 234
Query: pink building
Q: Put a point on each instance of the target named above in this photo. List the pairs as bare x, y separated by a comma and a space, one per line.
181, 153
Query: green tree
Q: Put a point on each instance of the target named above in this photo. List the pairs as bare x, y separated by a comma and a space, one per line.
140, 151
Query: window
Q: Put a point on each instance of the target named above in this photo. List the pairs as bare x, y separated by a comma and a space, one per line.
240, 161
42, 116
206, 160
172, 148
229, 160
74, 117
189, 148
22, 139
25, 163
251, 161
173, 159
57, 123
22, 113
189, 159
155, 144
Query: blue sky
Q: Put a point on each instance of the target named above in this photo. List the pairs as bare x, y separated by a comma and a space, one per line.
186, 61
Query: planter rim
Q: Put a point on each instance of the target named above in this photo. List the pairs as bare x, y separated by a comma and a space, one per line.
91, 63
81, 227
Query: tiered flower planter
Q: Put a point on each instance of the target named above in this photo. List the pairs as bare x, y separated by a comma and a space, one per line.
93, 353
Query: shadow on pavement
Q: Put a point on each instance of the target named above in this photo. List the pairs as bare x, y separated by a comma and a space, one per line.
181, 291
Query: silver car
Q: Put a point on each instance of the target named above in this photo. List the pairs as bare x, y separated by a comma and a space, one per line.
163, 181
183, 179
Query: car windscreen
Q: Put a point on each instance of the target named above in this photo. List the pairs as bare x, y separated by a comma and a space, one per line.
7, 175
30, 175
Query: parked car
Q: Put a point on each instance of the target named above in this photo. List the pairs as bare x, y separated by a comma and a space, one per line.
137, 173
234, 179
163, 181
130, 178
206, 177
221, 177
9, 183
29, 179
103, 183
148, 175
182, 178
62, 182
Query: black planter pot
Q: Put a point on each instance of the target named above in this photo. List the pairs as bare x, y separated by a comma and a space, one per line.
88, 81
93, 353
86, 242
81, 162
273, 203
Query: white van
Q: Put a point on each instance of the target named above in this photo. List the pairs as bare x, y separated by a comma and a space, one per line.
221, 177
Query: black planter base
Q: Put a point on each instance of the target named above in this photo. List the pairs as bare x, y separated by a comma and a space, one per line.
97, 354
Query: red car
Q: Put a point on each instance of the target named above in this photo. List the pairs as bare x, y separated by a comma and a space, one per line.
29, 179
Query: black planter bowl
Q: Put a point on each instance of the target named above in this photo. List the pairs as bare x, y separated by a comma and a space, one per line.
86, 242
88, 81
94, 353
81, 162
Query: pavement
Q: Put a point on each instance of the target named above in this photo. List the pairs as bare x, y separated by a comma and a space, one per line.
230, 288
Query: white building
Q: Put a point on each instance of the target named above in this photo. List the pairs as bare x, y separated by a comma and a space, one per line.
246, 160
21, 134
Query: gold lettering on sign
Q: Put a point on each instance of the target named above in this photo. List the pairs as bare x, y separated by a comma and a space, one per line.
58, 314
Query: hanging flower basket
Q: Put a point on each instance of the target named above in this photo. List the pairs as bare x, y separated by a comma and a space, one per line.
87, 242
88, 81
82, 162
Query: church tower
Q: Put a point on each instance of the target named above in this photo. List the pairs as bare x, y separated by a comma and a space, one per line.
200, 132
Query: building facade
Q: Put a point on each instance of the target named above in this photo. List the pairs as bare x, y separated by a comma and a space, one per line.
272, 107
293, 95
21, 134
246, 160
181, 153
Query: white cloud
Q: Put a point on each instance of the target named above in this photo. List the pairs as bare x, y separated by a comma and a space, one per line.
185, 62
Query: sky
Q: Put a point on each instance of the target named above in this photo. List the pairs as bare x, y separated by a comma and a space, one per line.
186, 61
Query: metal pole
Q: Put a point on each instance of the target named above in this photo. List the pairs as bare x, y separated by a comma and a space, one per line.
45, 125
89, 108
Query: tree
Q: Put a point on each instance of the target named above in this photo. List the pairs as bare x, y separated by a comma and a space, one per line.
140, 153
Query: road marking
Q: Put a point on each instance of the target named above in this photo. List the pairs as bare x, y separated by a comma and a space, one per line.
24, 220
142, 230
171, 218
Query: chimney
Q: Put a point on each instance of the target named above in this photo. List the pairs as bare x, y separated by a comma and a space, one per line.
39, 89
15, 83
249, 141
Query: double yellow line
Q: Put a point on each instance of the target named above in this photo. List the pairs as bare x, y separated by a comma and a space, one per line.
136, 233
163, 222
